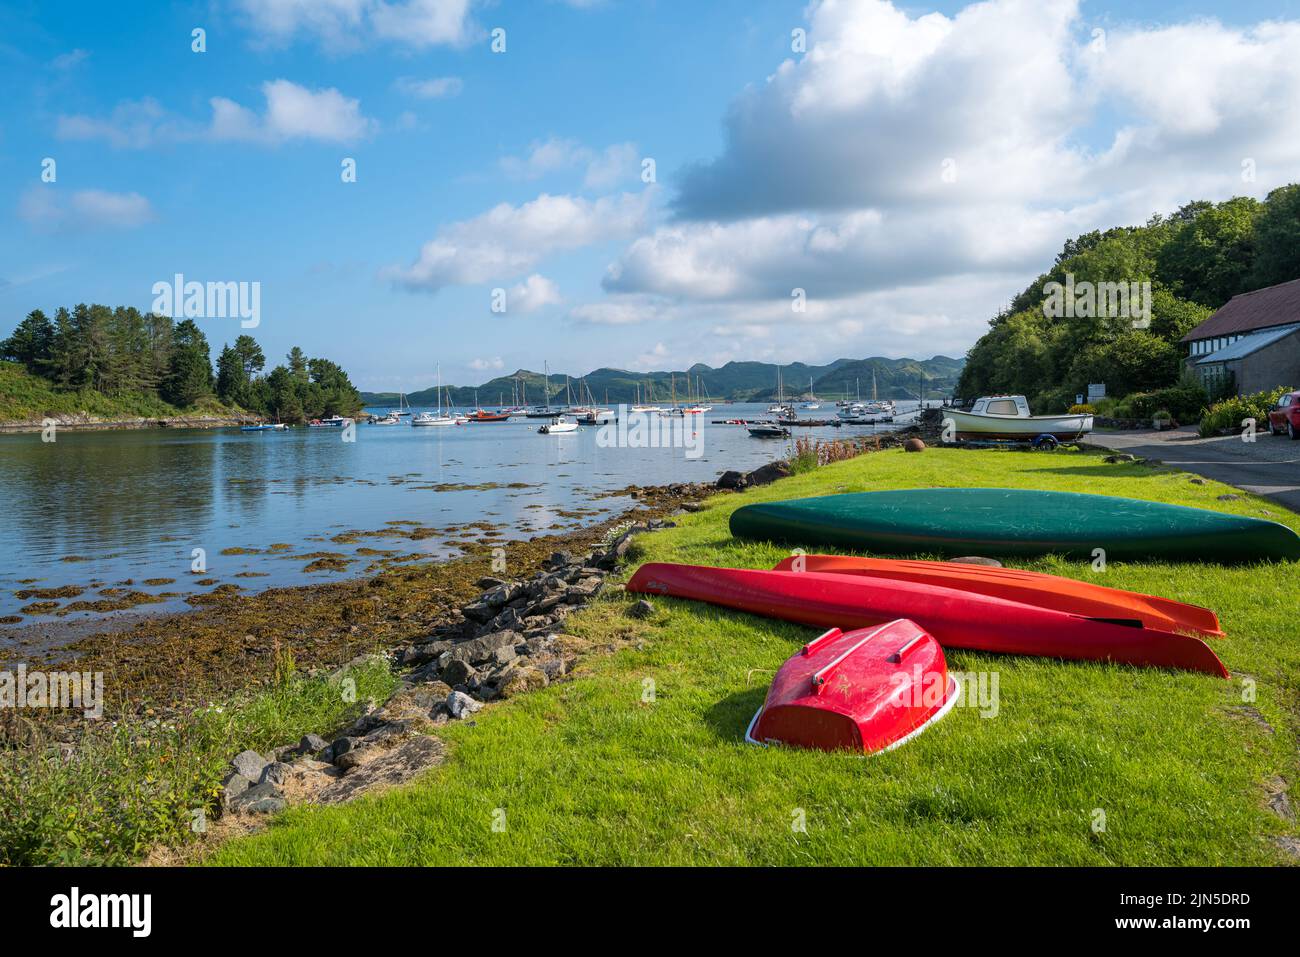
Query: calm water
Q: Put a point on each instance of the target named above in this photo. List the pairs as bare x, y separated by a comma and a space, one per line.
99, 509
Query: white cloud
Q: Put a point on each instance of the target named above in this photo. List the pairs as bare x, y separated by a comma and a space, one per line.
479, 365
603, 170
832, 177
349, 24
66, 61
47, 208
508, 241
532, 294
291, 112
438, 88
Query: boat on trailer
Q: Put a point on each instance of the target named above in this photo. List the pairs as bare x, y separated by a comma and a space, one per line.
1006, 418
865, 691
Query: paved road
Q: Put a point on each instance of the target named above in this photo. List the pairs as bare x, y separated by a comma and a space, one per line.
1269, 466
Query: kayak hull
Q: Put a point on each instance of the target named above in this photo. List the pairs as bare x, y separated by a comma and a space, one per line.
1033, 588
956, 619
864, 691
961, 521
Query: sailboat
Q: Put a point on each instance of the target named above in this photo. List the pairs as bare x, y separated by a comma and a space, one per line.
544, 412
813, 402
442, 418
403, 407
780, 408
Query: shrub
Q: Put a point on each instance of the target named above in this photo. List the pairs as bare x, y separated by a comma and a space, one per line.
1183, 402
1084, 409
1227, 415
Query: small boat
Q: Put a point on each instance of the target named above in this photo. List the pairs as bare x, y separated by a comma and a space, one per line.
1032, 588
426, 419
390, 419
768, 431
864, 691
265, 427
482, 415
957, 619
1007, 418
331, 422
560, 425
1003, 521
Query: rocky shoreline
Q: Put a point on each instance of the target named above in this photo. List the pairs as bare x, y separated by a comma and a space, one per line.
82, 422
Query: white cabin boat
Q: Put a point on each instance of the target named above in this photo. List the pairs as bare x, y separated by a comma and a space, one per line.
1007, 418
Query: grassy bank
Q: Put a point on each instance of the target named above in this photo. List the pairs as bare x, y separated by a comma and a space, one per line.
137, 783
28, 398
601, 771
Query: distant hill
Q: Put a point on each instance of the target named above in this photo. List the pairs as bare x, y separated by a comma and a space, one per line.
735, 381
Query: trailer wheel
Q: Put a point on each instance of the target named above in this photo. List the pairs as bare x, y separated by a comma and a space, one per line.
1045, 442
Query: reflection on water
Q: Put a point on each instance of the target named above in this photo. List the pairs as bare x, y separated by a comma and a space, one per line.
103, 508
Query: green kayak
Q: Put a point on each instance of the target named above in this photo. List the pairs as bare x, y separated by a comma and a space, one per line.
1004, 521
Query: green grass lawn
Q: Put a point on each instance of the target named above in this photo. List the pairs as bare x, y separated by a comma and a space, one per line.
590, 772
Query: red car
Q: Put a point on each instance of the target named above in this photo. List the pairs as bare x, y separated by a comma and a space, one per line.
1285, 416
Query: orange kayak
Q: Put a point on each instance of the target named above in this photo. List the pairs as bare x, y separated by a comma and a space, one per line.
1031, 588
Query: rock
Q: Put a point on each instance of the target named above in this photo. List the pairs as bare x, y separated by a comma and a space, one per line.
461, 704
347, 762
1197, 481
1280, 805
519, 680
276, 773
732, 480
479, 650
487, 581
642, 609
496, 597
249, 764
387, 769
479, 611
581, 591
232, 786
977, 560
508, 620
340, 747
769, 473
457, 672
557, 560
422, 654
1118, 458
692, 507
312, 744
505, 654
260, 799
913, 445
553, 666
1229, 497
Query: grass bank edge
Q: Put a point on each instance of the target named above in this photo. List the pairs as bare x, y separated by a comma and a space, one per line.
590, 775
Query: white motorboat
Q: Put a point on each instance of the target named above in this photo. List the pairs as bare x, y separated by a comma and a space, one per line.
1007, 418
560, 425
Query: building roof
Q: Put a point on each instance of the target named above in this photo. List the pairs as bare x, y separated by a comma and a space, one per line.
1248, 344
1260, 309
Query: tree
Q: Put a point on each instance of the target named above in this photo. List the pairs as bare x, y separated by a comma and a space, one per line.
189, 372
298, 365
32, 343
232, 381
1277, 239
1209, 257
1135, 361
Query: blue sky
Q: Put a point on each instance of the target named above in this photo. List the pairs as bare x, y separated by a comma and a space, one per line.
521, 170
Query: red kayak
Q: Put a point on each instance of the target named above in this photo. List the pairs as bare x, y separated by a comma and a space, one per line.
864, 691
1015, 584
958, 619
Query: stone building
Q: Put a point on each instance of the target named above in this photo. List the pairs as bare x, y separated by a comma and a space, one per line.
1252, 342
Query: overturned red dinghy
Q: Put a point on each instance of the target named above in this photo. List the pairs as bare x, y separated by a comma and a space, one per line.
866, 690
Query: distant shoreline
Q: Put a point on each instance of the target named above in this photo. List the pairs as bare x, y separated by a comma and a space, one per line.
81, 423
